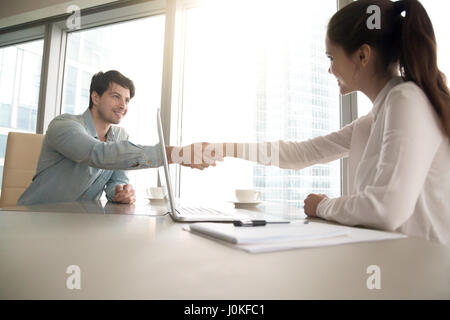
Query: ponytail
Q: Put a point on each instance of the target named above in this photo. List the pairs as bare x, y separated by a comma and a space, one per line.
418, 58
408, 40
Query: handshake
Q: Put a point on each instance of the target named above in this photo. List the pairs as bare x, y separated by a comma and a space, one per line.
197, 155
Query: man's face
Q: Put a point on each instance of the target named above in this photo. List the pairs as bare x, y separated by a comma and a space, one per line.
112, 106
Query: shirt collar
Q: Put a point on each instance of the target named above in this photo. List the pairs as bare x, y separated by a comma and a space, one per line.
110, 135
90, 123
379, 100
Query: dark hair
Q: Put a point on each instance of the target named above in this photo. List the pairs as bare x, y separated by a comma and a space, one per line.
100, 83
408, 40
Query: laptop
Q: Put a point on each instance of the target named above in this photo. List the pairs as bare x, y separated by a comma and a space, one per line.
201, 214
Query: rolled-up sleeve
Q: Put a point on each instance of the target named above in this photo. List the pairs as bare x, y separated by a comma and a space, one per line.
71, 140
118, 177
411, 138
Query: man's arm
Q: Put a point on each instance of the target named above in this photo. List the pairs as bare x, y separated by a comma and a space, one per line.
70, 138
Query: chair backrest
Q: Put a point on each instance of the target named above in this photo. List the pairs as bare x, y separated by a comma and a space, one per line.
21, 158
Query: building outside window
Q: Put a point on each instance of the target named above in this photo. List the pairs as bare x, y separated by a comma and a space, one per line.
255, 72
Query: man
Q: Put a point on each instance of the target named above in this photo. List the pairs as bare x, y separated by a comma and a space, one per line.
84, 155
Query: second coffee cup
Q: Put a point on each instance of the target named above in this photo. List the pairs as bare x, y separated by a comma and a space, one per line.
247, 195
156, 192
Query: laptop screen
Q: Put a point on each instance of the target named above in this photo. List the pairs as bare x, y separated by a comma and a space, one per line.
166, 164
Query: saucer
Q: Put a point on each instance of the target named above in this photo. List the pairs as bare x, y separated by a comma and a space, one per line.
246, 203
157, 199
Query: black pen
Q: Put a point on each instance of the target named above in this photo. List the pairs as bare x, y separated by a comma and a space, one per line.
254, 223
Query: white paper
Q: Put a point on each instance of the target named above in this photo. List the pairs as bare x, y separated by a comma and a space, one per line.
269, 233
314, 234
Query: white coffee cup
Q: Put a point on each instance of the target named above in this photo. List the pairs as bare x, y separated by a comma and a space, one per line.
156, 192
247, 195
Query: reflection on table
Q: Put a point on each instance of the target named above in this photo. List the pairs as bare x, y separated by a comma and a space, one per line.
158, 208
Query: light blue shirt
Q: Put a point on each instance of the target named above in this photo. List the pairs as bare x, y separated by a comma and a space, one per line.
74, 165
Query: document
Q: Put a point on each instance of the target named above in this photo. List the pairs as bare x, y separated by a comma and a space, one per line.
295, 235
264, 234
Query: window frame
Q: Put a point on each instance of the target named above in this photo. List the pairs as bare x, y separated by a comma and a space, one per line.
21, 36
349, 113
55, 56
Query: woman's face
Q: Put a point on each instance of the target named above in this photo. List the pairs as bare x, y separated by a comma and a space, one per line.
342, 67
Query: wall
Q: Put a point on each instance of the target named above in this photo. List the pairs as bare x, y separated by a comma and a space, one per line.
22, 11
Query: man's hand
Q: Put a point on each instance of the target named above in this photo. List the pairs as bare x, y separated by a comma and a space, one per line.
124, 194
196, 155
311, 203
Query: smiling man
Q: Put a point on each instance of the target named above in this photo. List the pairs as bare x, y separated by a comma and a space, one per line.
84, 155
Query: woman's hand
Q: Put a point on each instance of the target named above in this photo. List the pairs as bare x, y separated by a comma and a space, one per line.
311, 203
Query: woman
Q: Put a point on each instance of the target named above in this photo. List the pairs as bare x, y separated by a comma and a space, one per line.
399, 153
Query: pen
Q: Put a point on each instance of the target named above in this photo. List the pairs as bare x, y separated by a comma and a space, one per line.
254, 223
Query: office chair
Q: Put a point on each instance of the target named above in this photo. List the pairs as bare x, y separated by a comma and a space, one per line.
21, 158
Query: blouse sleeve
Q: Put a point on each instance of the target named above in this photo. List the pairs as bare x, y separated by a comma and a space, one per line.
299, 155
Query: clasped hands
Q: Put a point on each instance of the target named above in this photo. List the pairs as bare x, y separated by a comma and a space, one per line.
124, 193
197, 155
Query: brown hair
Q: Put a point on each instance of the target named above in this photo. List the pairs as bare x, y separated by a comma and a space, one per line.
100, 83
408, 40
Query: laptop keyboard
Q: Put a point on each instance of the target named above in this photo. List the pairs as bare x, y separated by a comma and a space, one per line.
200, 211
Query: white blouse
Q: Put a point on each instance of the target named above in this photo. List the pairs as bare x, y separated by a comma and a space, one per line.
398, 166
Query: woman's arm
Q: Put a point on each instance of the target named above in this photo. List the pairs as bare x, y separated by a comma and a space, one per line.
294, 155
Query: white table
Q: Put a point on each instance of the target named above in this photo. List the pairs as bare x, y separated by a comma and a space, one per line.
124, 253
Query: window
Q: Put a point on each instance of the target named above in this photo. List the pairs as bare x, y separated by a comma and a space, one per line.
20, 73
364, 104
251, 71
257, 71
438, 12
3, 138
121, 47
